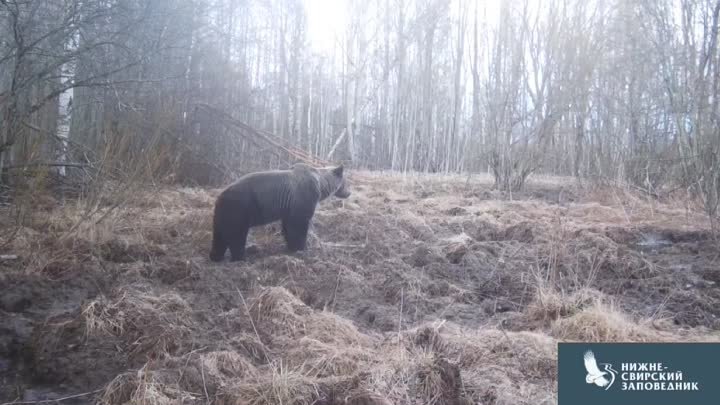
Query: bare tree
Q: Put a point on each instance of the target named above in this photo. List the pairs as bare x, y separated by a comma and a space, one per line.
613, 90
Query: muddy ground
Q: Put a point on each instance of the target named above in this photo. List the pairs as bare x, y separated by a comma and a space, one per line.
427, 290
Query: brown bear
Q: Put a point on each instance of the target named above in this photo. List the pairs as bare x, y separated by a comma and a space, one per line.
260, 198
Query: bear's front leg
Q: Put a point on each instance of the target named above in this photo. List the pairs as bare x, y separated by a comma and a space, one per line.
296, 231
237, 244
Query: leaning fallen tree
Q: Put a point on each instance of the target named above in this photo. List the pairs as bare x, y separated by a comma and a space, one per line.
259, 137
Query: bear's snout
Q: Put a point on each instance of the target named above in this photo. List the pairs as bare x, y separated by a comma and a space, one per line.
342, 193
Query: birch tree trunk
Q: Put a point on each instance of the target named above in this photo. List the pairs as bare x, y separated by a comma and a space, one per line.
397, 125
458, 74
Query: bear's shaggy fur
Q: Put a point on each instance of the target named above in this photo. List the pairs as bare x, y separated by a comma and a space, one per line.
260, 198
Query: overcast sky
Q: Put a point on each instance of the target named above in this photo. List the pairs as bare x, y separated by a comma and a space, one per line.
326, 20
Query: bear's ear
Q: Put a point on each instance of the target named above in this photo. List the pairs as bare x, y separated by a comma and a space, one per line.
338, 171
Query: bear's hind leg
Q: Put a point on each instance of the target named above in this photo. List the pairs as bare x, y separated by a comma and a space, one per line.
237, 244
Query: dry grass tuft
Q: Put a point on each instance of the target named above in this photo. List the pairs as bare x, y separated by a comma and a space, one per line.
396, 377
227, 364
602, 322
275, 309
429, 338
319, 359
174, 380
147, 321
150, 389
505, 350
280, 386
417, 373
146, 386
504, 367
333, 329
206, 372
550, 304
120, 390
440, 382
251, 347
364, 397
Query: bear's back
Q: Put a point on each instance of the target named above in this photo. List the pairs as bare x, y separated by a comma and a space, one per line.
270, 195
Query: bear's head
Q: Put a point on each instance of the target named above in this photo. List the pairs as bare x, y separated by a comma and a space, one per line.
337, 182
343, 191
